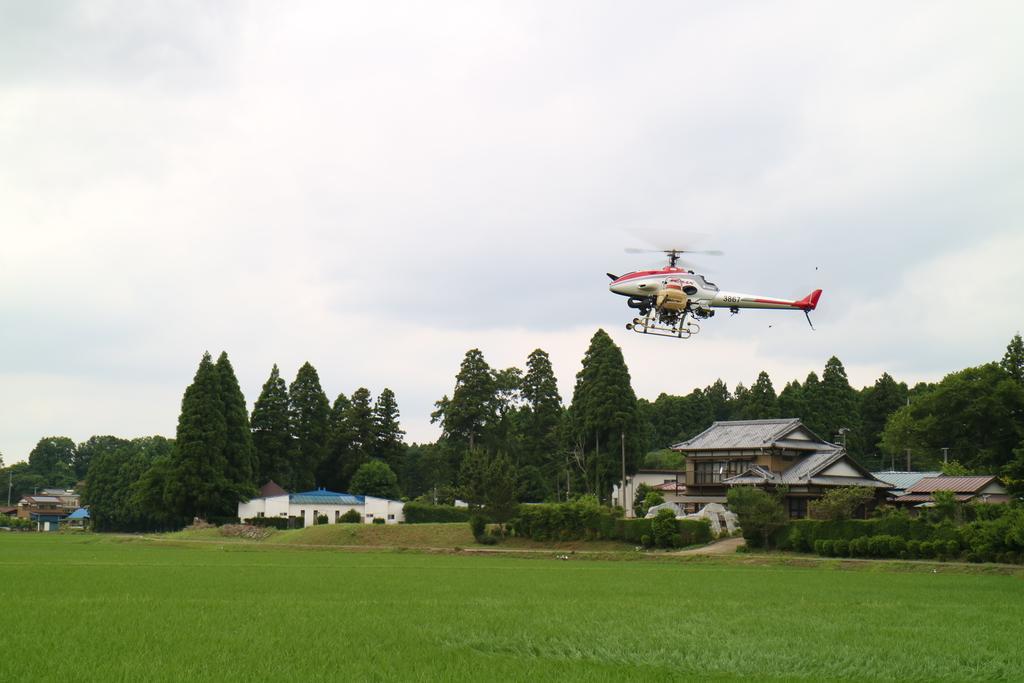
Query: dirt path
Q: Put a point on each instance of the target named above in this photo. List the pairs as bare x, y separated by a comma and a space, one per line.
725, 547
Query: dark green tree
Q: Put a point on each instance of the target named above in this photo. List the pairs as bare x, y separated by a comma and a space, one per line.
90, 449
760, 514
389, 444
426, 470
1013, 359
52, 460
335, 469
977, 413
603, 407
472, 410
308, 410
239, 453
761, 402
272, 432
840, 407
541, 454
375, 478
112, 485
718, 396
877, 403
361, 429
791, 401
813, 418
198, 485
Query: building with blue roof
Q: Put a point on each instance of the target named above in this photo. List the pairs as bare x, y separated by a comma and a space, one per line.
311, 506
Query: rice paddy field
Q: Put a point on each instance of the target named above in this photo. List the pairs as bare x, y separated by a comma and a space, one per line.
95, 607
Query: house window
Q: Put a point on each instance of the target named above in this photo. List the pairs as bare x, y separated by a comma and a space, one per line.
713, 472
797, 508
259, 514
391, 516
369, 515
337, 515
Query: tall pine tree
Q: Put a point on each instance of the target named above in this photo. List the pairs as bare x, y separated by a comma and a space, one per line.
603, 409
238, 446
840, 407
335, 467
1013, 359
877, 403
472, 410
198, 485
308, 413
388, 435
761, 402
791, 401
272, 432
359, 419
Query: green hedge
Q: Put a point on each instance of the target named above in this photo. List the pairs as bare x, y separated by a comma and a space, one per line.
275, 522
801, 534
995, 536
422, 513
583, 520
565, 521
16, 522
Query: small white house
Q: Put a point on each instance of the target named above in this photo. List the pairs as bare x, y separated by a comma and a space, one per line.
311, 504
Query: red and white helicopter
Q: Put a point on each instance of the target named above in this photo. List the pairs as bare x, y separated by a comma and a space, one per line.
666, 297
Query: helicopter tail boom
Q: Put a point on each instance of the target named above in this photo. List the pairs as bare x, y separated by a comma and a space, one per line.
736, 300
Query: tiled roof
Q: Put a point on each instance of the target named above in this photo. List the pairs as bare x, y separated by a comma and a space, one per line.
805, 472
927, 497
740, 434
271, 489
324, 497
903, 480
954, 484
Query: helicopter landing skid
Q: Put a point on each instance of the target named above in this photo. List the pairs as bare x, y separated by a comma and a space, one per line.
649, 325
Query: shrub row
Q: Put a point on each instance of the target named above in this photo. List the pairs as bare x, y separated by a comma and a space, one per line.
421, 513
588, 521
277, 522
16, 522
994, 536
801, 534
581, 519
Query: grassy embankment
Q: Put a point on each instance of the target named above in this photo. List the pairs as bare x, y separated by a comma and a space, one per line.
155, 611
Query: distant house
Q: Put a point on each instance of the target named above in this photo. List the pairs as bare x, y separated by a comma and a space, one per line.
770, 454
48, 508
670, 483
309, 505
79, 519
899, 482
983, 489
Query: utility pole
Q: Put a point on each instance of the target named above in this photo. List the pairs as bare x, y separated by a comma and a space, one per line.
597, 465
908, 460
10, 485
945, 455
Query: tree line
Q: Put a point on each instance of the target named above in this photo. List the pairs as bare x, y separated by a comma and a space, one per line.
508, 436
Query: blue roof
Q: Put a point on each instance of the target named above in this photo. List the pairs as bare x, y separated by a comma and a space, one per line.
80, 513
325, 497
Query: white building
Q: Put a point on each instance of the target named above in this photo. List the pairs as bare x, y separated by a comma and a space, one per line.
276, 502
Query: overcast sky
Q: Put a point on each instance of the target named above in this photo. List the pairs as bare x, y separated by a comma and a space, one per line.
378, 187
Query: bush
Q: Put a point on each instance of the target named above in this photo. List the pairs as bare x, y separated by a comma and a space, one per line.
350, 517
320, 519
274, 522
16, 523
664, 529
487, 539
477, 524
379, 520
841, 548
579, 519
645, 540
221, 520
422, 513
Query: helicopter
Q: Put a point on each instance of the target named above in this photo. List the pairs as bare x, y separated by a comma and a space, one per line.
670, 300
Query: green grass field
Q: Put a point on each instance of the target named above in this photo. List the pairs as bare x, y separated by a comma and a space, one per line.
96, 607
